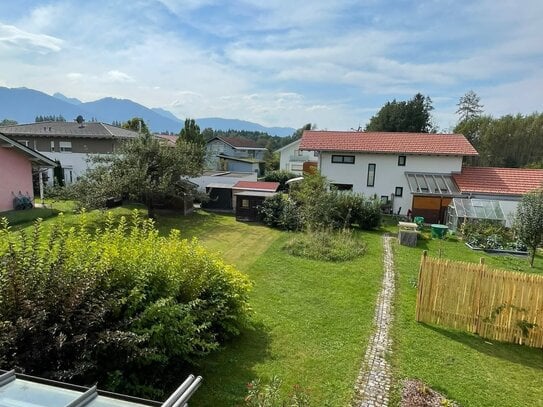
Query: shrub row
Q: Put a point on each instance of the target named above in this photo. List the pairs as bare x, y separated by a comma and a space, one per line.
121, 306
313, 205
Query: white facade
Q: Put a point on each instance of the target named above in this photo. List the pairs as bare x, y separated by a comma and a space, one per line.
74, 165
292, 158
389, 176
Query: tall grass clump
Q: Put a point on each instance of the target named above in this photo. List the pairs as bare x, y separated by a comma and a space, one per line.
326, 245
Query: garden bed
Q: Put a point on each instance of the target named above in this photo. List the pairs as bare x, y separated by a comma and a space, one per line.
499, 251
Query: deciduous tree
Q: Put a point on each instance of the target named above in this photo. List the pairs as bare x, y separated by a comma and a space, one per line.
529, 221
409, 116
190, 133
136, 124
143, 169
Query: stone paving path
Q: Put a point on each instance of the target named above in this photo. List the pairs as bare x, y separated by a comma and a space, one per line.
374, 381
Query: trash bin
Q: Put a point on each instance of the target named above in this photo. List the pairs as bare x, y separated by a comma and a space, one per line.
439, 231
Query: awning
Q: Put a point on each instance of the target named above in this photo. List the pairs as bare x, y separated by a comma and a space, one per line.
427, 183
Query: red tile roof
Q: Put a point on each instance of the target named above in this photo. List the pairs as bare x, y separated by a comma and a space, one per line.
499, 181
383, 142
257, 186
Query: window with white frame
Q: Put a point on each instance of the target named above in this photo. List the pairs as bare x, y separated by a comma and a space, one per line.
65, 146
52, 145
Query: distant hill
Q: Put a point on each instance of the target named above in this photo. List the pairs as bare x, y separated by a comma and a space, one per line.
217, 123
23, 105
73, 101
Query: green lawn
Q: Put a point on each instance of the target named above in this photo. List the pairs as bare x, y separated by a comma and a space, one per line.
466, 368
312, 319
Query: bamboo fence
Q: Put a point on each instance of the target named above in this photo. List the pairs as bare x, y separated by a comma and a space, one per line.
495, 304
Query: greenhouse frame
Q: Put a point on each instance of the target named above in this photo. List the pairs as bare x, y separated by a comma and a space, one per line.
462, 210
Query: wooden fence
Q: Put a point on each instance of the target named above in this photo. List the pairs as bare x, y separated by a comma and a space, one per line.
495, 304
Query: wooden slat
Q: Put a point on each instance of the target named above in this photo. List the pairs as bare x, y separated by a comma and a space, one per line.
489, 302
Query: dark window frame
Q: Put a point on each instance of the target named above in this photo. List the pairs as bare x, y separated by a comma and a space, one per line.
343, 187
340, 159
372, 172
398, 191
400, 163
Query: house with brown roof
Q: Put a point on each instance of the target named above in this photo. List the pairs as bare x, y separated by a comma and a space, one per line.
69, 143
235, 154
407, 172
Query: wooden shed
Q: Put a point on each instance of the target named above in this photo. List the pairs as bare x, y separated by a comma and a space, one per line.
247, 203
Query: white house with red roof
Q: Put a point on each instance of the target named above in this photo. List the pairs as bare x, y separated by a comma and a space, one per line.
406, 171
292, 159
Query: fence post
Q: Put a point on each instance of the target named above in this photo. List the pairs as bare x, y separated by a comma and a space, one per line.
477, 322
420, 285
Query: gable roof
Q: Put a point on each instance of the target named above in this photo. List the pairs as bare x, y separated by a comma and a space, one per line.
68, 129
257, 186
32, 155
288, 145
387, 142
167, 138
498, 181
239, 142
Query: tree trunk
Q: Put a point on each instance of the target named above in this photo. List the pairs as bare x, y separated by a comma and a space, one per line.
532, 257
150, 207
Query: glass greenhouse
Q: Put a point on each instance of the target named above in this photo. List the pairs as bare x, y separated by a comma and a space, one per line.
465, 209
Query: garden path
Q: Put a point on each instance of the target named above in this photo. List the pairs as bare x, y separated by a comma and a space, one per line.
374, 380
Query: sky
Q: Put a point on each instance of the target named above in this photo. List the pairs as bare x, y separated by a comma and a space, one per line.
332, 63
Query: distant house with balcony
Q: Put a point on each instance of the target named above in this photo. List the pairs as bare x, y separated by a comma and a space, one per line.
292, 159
69, 143
235, 154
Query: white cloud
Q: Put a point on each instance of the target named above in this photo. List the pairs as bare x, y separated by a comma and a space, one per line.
118, 76
13, 37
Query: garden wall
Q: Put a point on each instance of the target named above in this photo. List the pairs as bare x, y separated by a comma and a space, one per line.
495, 304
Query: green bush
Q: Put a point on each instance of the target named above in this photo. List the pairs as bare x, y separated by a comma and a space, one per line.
354, 209
326, 245
281, 212
280, 176
322, 207
121, 306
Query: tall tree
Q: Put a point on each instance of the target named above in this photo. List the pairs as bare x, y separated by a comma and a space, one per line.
410, 116
144, 169
529, 221
136, 124
190, 133
469, 106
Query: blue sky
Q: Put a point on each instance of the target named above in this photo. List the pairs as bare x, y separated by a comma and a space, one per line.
280, 63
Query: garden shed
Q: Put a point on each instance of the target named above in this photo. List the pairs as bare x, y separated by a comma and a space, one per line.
469, 210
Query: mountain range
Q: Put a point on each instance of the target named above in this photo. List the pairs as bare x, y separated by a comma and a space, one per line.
23, 105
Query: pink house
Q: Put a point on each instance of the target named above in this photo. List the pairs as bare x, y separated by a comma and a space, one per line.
16, 164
